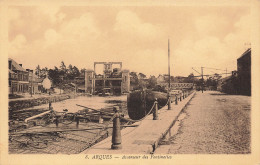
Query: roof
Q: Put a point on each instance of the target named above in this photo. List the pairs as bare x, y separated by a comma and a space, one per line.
16, 66
245, 53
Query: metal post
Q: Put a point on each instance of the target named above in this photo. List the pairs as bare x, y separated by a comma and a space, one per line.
155, 111
116, 135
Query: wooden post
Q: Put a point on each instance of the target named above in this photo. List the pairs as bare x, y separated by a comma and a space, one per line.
77, 121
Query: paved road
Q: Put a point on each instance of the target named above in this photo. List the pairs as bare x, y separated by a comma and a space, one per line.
215, 123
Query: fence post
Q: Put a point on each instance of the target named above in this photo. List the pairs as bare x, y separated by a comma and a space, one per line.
116, 135
155, 110
50, 108
100, 119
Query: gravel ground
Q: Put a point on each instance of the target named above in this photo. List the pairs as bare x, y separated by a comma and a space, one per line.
214, 123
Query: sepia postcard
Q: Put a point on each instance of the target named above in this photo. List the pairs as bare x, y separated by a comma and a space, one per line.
129, 82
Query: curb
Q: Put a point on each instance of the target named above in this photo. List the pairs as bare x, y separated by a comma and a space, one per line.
156, 143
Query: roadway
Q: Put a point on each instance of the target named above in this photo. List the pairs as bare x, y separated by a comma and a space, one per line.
213, 123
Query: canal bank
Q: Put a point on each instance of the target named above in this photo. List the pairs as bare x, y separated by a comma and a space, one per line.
145, 138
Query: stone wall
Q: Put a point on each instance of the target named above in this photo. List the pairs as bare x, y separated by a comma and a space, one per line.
27, 103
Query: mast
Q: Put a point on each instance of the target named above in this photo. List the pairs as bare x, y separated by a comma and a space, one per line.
169, 73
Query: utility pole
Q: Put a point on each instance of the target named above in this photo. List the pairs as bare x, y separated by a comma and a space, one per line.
169, 72
202, 79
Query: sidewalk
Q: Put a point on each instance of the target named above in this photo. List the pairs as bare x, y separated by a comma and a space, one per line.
144, 138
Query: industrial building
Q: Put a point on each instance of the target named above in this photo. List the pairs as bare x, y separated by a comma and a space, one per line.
113, 81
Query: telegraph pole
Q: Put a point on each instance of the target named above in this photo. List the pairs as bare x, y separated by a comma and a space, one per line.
169, 72
202, 79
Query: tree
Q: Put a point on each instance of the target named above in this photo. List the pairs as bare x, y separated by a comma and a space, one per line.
152, 82
134, 78
38, 70
141, 76
44, 72
54, 75
63, 70
76, 72
82, 71
190, 78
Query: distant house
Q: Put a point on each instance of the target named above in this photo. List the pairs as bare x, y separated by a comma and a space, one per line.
35, 83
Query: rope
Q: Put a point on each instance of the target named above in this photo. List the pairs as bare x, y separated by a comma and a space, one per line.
131, 120
165, 104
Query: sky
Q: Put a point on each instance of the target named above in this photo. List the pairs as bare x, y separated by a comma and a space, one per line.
136, 35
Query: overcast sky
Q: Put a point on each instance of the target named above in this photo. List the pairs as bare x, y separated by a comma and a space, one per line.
137, 36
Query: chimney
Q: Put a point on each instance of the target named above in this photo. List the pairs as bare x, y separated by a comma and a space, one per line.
21, 65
